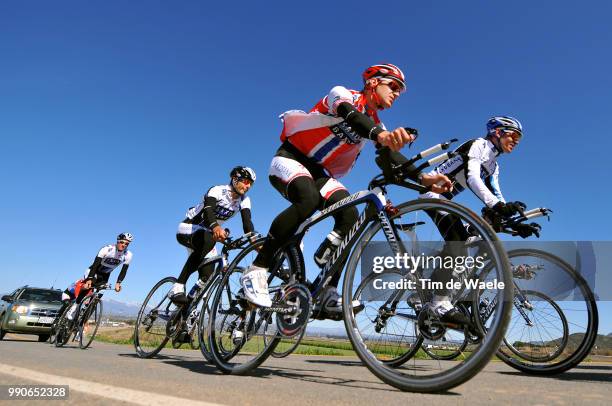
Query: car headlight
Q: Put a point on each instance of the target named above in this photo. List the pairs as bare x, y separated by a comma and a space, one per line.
20, 309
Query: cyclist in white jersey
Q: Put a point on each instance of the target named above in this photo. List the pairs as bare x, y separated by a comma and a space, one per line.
109, 258
475, 167
201, 228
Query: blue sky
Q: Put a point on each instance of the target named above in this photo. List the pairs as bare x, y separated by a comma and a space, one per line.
118, 115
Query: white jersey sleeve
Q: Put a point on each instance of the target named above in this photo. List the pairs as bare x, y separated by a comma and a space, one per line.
104, 251
245, 203
337, 95
476, 157
216, 192
128, 258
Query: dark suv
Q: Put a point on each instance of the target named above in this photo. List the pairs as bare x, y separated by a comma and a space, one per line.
30, 311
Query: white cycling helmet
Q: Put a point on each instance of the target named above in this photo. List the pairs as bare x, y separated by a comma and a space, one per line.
243, 172
125, 237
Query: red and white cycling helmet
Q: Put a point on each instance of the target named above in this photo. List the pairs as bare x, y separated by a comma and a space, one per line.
386, 71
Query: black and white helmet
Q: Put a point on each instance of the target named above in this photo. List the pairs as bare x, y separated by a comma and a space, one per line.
243, 172
125, 237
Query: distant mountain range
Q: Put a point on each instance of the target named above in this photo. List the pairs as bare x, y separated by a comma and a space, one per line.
120, 309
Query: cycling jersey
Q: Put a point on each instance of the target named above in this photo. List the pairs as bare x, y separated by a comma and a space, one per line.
323, 136
109, 258
474, 167
226, 206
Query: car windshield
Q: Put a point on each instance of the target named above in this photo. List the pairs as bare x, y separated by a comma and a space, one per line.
41, 295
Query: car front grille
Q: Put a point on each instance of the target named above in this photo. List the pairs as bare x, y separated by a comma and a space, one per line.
44, 312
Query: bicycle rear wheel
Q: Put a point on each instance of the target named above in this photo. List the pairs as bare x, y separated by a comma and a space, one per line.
156, 310
90, 322
286, 345
565, 318
422, 374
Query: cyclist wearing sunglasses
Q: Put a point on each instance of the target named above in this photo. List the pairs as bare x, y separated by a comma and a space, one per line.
318, 148
109, 258
201, 228
475, 167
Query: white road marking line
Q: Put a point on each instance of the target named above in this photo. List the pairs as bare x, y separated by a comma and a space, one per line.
98, 389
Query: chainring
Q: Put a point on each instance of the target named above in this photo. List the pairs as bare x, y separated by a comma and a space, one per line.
430, 326
298, 296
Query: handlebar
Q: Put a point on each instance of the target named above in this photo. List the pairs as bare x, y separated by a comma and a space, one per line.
230, 244
509, 225
398, 174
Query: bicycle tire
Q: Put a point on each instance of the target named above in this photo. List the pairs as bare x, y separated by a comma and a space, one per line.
86, 342
589, 337
141, 313
202, 329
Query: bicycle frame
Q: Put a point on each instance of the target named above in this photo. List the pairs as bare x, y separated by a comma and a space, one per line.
377, 208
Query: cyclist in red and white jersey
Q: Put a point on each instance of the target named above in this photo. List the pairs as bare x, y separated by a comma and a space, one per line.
318, 148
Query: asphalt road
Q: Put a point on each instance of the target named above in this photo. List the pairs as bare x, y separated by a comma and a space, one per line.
108, 373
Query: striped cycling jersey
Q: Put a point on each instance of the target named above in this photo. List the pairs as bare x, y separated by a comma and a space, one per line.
474, 167
323, 136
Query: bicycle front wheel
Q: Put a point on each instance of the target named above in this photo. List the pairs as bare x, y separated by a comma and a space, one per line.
374, 336
235, 326
156, 310
202, 325
62, 330
90, 322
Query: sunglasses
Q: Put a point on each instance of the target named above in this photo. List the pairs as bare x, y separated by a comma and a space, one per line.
123, 242
246, 181
512, 133
394, 86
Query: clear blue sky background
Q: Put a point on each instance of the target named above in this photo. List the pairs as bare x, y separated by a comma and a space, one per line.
118, 115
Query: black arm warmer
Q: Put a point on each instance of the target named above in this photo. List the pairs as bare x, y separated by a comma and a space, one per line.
247, 224
93, 268
210, 204
386, 157
361, 123
124, 269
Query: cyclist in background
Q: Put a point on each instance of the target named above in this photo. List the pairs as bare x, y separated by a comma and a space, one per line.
474, 167
201, 228
317, 149
109, 258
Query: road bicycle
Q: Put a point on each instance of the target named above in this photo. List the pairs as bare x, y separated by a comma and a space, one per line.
159, 320
85, 323
236, 328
